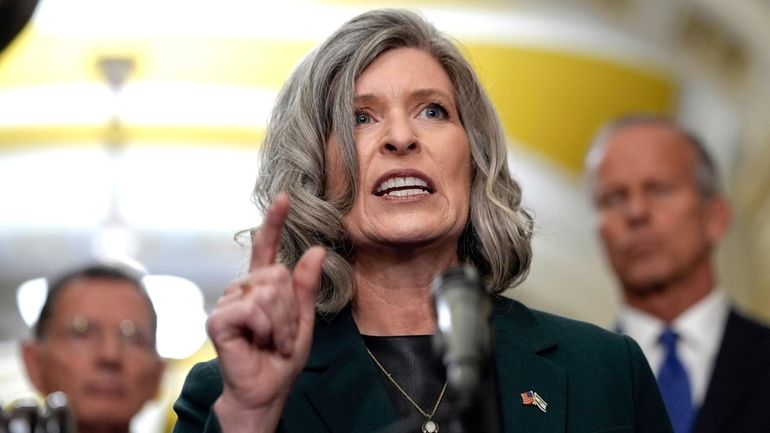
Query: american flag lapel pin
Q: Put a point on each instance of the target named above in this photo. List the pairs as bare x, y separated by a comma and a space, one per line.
531, 398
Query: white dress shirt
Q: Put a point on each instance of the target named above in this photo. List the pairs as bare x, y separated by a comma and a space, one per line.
700, 329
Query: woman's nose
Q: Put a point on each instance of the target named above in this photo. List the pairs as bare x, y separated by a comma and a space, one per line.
400, 138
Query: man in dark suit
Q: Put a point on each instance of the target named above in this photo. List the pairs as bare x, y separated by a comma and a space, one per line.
660, 217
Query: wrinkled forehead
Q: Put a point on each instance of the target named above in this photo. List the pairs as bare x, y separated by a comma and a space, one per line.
403, 72
646, 149
101, 299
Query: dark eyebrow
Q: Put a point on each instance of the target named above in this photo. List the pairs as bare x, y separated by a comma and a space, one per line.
431, 93
369, 98
365, 99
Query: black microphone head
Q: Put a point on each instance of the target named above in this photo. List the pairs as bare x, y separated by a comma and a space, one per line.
465, 276
3, 419
59, 415
24, 416
462, 309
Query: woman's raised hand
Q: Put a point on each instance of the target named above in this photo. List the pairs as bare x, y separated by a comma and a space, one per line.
262, 328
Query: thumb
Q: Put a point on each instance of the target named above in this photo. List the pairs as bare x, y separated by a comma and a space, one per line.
306, 278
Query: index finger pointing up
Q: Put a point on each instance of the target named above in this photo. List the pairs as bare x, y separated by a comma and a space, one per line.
265, 241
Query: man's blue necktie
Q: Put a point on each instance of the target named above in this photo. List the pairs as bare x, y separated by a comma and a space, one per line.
674, 385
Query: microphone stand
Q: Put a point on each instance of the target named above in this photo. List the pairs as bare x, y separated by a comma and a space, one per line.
463, 342
478, 412
25, 416
482, 415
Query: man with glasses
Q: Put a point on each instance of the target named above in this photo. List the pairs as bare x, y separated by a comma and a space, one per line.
95, 341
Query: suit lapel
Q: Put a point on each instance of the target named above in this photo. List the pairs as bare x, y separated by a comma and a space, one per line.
349, 395
350, 398
734, 369
519, 342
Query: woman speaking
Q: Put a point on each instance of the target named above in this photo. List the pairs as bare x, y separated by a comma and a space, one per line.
383, 166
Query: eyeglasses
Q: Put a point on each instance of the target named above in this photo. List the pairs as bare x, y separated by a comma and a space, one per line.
86, 334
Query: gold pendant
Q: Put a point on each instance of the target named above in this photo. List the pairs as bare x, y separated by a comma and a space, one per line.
430, 426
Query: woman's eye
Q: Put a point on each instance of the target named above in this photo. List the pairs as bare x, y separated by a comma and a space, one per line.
362, 118
435, 111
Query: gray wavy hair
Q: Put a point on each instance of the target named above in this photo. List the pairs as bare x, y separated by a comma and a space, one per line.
317, 101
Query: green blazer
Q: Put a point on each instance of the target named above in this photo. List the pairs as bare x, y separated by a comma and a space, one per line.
592, 380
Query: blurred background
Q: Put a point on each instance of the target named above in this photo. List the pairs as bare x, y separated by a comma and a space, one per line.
129, 131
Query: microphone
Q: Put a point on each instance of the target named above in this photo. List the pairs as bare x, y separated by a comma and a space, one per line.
58, 415
25, 416
462, 309
463, 342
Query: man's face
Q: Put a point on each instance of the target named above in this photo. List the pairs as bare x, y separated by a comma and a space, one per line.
655, 224
98, 349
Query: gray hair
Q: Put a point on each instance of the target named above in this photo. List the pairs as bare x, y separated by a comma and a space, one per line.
706, 175
317, 101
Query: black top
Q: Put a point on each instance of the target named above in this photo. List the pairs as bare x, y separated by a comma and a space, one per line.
412, 364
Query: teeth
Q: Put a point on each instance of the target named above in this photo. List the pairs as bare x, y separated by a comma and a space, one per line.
407, 192
400, 182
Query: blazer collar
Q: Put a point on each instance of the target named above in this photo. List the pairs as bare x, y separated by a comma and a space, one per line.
739, 362
350, 396
522, 344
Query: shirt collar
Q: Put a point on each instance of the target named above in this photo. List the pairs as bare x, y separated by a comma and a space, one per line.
700, 326
643, 327
703, 324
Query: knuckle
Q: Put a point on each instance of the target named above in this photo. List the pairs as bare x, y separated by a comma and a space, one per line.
232, 287
278, 273
213, 325
270, 298
251, 309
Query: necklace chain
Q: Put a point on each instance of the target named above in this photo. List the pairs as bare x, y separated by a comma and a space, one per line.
429, 416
